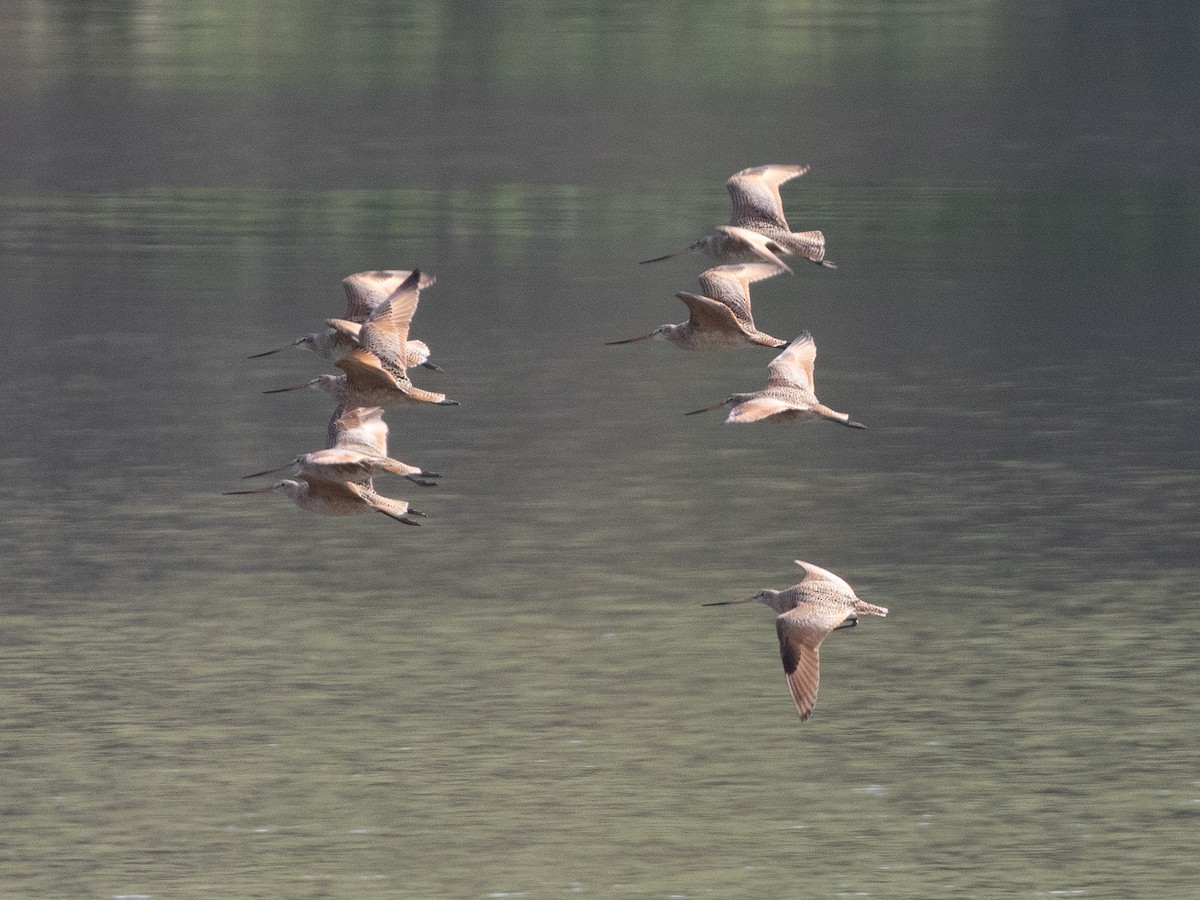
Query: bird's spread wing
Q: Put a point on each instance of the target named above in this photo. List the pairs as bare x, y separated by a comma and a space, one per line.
363, 369
367, 290
756, 409
731, 284
359, 428
338, 464
396, 509
800, 650
385, 333
755, 194
346, 327
814, 574
710, 315
747, 240
332, 489
794, 366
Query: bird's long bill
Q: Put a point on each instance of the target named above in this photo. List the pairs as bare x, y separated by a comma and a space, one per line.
696, 412
729, 602
269, 471
428, 365
298, 387
661, 258
636, 340
265, 490
276, 350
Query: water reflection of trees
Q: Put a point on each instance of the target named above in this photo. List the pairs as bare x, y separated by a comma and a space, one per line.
475, 47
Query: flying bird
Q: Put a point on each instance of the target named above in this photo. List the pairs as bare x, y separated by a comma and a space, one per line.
365, 292
720, 318
367, 382
806, 614
338, 498
789, 394
357, 452
758, 227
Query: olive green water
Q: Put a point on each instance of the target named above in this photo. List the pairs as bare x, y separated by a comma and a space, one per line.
209, 696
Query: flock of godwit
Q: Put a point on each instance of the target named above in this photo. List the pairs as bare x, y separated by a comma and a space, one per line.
751, 246
372, 348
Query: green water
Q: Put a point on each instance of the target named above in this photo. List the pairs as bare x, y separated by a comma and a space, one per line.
209, 696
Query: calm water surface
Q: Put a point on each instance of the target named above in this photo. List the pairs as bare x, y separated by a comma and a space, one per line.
221, 696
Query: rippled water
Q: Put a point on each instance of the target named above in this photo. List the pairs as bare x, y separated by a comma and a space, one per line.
223, 696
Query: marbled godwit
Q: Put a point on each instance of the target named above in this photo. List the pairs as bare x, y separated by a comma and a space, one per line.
338, 498
385, 331
758, 208
822, 602
365, 292
788, 395
367, 383
357, 452
720, 319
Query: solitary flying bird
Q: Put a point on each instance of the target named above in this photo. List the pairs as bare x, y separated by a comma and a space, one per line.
789, 394
720, 319
807, 612
758, 209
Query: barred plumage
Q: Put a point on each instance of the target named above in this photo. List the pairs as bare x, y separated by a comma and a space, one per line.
758, 229
789, 394
721, 318
807, 612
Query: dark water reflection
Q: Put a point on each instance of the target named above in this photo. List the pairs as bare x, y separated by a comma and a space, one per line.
213, 695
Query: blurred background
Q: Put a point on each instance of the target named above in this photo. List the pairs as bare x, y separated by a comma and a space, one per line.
227, 696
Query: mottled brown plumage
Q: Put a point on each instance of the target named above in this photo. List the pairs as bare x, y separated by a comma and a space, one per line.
720, 319
789, 394
357, 452
334, 498
758, 210
384, 332
367, 383
807, 612
365, 292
